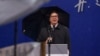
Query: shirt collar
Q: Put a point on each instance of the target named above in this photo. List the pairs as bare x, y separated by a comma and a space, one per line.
55, 25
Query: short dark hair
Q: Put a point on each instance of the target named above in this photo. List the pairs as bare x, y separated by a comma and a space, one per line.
52, 12
49, 14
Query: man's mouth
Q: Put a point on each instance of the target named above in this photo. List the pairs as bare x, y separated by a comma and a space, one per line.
54, 20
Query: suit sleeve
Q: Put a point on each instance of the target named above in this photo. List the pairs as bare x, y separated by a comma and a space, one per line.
67, 38
41, 38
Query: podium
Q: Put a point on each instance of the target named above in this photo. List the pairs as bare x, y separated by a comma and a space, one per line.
35, 49
55, 49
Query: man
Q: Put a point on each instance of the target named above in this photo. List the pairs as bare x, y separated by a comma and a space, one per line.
55, 33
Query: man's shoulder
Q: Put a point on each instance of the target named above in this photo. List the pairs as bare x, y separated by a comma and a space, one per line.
63, 26
44, 29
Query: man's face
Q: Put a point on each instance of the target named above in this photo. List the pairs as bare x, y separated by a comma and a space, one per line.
53, 18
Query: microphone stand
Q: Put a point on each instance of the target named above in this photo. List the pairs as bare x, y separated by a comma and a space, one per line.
49, 43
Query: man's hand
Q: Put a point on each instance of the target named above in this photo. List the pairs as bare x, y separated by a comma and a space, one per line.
49, 39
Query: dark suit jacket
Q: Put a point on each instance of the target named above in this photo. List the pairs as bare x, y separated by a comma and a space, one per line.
60, 35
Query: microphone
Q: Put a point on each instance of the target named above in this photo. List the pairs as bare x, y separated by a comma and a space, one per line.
50, 32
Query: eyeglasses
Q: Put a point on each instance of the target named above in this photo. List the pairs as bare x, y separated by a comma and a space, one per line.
54, 16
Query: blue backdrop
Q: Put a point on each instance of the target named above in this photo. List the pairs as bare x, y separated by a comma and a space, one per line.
84, 27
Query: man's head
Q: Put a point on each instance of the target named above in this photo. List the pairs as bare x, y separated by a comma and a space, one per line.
54, 18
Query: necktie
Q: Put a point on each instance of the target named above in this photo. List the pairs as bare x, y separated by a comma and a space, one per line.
53, 27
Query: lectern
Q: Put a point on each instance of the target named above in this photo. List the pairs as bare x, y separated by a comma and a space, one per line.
55, 50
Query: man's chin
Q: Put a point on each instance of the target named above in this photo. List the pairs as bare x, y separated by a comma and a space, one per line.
54, 23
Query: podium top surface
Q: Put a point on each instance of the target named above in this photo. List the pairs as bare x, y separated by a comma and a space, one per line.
57, 48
